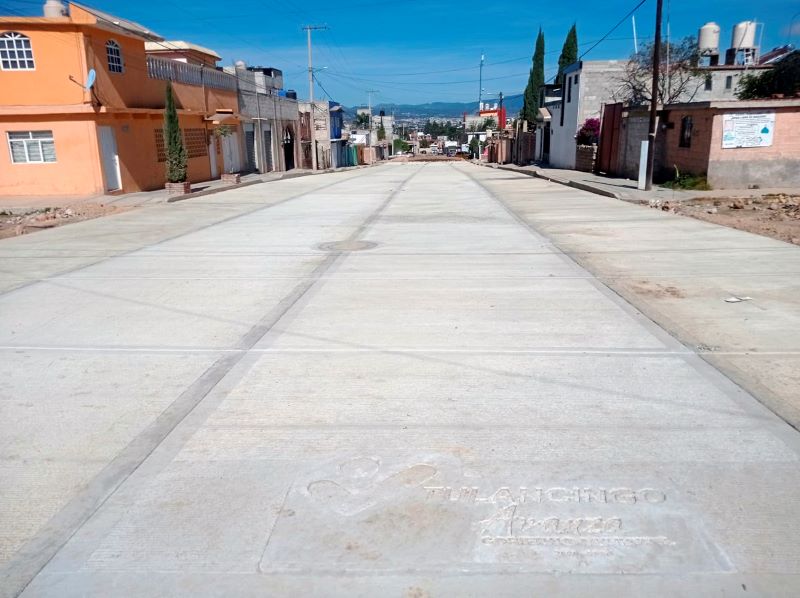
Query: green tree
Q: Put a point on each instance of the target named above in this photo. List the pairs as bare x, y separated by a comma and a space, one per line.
362, 120
489, 123
474, 146
400, 146
569, 54
530, 100
784, 79
381, 133
177, 160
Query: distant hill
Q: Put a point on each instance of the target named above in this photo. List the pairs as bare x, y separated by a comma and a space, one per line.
513, 105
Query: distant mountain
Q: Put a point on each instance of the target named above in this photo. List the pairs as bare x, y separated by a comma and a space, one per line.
513, 104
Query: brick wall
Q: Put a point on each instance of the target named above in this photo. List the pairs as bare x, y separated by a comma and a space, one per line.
777, 165
688, 160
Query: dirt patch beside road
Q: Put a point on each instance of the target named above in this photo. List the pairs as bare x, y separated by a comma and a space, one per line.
776, 216
13, 224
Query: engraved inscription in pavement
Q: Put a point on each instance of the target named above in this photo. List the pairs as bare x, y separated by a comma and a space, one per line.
368, 514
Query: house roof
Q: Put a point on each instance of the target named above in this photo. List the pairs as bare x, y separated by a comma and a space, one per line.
166, 46
120, 23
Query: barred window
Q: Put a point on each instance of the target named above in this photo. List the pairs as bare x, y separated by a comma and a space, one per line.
686, 132
31, 147
114, 56
16, 53
161, 154
196, 142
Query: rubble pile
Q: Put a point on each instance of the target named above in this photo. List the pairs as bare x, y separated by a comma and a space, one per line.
15, 224
774, 215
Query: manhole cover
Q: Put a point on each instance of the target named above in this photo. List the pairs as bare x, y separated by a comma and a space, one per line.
347, 245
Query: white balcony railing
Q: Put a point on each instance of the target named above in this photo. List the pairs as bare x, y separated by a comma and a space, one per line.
190, 74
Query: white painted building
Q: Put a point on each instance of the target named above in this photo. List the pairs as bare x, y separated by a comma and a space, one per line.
588, 86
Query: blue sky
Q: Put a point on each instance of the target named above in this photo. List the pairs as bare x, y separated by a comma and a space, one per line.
417, 51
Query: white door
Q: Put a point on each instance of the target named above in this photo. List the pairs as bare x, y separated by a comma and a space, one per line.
212, 157
109, 158
230, 152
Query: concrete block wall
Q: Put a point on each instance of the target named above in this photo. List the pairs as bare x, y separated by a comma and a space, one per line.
585, 156
634, 131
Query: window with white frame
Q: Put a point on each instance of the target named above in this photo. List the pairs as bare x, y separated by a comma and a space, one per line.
16, 53
31, 147
114, 55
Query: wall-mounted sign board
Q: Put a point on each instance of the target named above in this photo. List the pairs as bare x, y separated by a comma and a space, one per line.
747, 130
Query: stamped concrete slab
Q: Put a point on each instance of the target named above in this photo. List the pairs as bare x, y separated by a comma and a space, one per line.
457, 410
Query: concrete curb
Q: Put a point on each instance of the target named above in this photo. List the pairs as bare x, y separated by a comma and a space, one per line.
540, 174
205, 192
283, 177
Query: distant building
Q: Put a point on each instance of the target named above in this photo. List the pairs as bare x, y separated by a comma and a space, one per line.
271, 118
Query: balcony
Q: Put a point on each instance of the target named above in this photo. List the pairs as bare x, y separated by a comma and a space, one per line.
189, 74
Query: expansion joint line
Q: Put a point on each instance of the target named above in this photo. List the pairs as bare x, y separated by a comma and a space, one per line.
34, 556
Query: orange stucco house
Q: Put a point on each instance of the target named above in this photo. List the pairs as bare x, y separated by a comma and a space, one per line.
62, 138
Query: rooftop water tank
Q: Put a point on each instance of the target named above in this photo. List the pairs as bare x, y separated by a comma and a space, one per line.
744, 35
54, 8
708, 38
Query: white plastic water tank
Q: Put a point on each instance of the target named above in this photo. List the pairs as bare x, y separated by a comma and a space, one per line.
744, 35
708, 38
54, 8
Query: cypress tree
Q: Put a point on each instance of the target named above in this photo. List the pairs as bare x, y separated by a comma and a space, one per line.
530, 101
569, 54
175, 151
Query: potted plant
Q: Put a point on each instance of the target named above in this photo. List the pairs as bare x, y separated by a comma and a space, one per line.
228, 176
177, 159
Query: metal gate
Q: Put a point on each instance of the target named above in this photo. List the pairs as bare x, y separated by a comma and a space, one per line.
250, 144
608, 146
269, 166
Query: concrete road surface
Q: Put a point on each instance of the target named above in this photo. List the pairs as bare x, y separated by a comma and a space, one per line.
374, 383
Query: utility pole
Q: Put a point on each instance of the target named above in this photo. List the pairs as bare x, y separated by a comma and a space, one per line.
308, 29
651, 136
369, 109
480, 84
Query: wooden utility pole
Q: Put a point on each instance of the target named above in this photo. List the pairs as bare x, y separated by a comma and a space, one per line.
651, 136
308, 29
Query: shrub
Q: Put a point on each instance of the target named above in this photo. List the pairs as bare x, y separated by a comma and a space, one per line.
589, 132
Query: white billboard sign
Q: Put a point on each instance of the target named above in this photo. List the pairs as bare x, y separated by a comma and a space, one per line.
747, 130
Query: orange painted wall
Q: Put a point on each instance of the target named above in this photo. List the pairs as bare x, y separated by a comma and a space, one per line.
140, 169
70, 47
76, 170
58, 54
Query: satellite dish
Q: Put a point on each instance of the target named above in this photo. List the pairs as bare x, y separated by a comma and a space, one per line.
90, 79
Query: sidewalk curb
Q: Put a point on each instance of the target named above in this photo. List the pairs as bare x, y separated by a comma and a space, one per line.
569, 183
283, 177
205, 192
